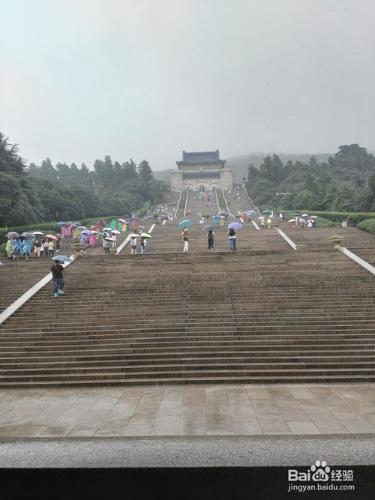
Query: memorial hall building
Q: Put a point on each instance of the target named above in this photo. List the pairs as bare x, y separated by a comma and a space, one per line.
201, 170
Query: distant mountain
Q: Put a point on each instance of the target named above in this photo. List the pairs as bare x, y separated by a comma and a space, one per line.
239, 164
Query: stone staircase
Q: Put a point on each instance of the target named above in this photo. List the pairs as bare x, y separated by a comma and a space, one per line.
265, 314
18, 276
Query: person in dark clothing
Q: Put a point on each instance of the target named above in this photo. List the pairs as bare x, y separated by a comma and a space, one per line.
232, 240
57, 278
210, 241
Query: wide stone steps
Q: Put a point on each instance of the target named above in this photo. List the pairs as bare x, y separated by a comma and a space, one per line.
269, 331
193, 376
244, 367
17, 277
118, 380
266, 314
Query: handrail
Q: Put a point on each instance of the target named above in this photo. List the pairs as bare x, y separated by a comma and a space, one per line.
29, 293
178, 205
355, 258
287, 239
126, 241
226, 203
123, 245
186, 201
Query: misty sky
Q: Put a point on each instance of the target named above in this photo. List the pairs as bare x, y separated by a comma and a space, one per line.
148, 78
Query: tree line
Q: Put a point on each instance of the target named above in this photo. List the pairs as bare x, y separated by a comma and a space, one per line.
346, 182
37, 193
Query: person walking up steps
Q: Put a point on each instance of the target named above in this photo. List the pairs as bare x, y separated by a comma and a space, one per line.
210, 240
45, 248
143, 245
106, 246
57, 278
185, 237
51, 248
133, 245
232, 240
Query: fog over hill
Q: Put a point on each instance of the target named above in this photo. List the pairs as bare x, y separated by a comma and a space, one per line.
239, 164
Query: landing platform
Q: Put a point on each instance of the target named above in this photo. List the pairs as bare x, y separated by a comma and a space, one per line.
190, 410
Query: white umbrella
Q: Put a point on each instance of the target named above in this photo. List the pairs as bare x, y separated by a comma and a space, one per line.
304, 215
115, 231
109, 239
38, 233
107, 229
146, 235
134, 235
292, 220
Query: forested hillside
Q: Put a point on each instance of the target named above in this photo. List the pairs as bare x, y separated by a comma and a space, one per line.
45, 192
346, 181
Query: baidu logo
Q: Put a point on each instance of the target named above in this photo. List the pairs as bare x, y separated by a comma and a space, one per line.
320, 477
320, 471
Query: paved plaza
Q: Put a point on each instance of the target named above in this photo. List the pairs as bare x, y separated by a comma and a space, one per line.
189, 410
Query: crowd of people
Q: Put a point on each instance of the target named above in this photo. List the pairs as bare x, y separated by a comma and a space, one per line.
22, 247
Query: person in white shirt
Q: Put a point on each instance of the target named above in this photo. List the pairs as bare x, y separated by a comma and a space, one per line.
133, 245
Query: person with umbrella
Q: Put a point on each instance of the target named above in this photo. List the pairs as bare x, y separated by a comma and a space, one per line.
106, 245
26, 248
58, 241
114, 236
51, 247
57, 278
17, 247
9, 248
38, 245
185, 237
232, 239
45, 248
143, 245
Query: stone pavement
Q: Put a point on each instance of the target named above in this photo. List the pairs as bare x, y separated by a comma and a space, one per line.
189, 410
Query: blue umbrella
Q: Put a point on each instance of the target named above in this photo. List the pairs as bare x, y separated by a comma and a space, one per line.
62, 258
235, 225
86, 231
185, 223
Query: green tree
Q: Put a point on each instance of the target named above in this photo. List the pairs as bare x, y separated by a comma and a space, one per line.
145, 172
306, 200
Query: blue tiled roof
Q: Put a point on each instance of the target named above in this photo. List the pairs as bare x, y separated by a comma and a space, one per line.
201, 157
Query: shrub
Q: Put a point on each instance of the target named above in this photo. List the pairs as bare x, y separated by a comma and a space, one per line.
368, 225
